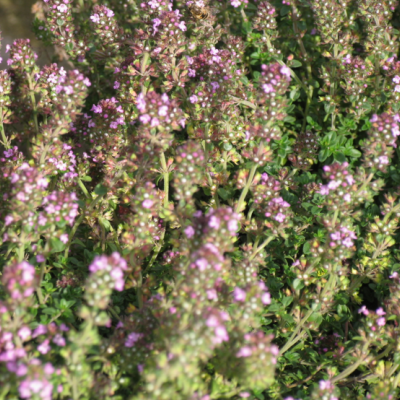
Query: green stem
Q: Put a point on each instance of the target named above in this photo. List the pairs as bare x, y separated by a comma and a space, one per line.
140, 291
377, 82
39, 289
84, 190
166, 178
114, 313
294, 339
335, 215
206, 147
349, 370
73, 231
33, 100
21, 249
2, 131
6, 388
333, 84
263, 244
370, 176
396, 380
143, 64
305, 58
58, 315
245, 190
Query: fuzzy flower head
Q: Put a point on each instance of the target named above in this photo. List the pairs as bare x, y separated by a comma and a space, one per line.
107, 274
19, 280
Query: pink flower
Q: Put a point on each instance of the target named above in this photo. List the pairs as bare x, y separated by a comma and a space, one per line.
95, 18
116, 85
132, 339
221, 335
163, 111
96, 109
145, 118
64, 238
8, 220
140, 102
232, 226
109, 12
363, 310
189, 231
266, 298
381, 321
268, 88
193, 99
239, 294
62, 8
44, 347
59, 340
147, 203
154, 122
325, 385
244, 352
280, 217
380, 311
24, 333
286, 71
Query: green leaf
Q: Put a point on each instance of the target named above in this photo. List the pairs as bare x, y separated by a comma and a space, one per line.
324, 154
256, 75
56, 245
60, 22
224, 194
340, 157
106, 224
49, 311
295, 64
307, 248
86, 178
286, 301
294, 94
100, 190
285, 10
297, 284
354, 153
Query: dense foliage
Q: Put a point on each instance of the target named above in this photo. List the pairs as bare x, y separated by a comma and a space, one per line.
202, 202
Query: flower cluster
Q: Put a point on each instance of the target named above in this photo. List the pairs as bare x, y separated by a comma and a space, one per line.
160, 112
183, 203
340, 188
375, 322
305, 151
27, 188
378, 147
327, 26
106, 275
168, 28
59, 23
188, 171
62, 94
106, 27
326, 390
265, 18
19, 280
